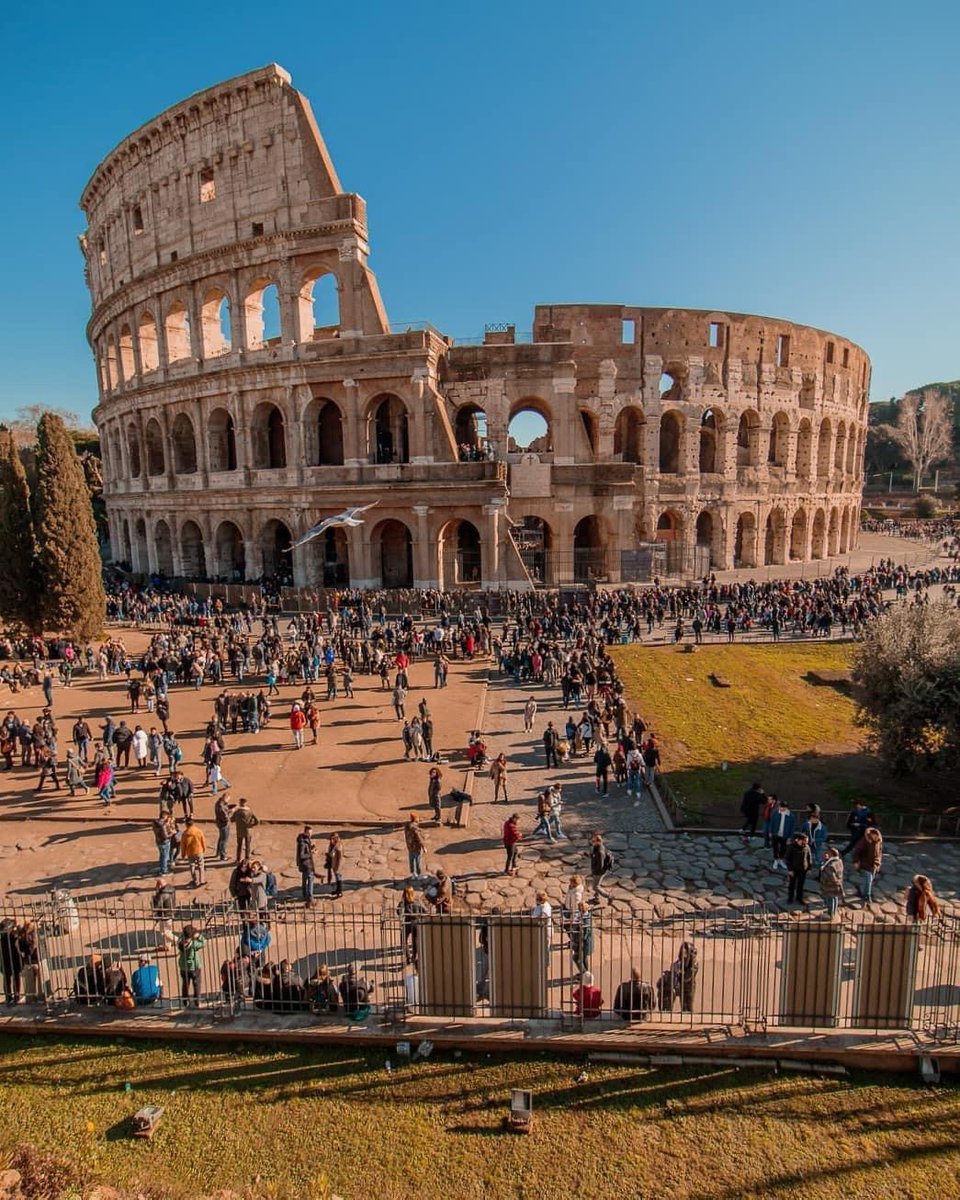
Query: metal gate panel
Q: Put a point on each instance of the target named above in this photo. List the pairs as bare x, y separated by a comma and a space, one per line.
518, 967
448, 965
810, 975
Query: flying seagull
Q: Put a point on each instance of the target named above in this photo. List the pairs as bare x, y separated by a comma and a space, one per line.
349, 516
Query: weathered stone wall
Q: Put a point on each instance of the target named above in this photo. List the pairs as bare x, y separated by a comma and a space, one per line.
224, 439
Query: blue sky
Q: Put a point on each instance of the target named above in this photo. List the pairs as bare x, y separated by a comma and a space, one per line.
798, 160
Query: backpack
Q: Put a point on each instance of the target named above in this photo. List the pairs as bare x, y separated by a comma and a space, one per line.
608, 861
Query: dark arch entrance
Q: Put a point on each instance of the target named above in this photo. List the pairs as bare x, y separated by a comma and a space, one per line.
392, 549
589, 554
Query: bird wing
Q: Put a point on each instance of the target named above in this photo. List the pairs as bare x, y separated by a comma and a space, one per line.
314, 532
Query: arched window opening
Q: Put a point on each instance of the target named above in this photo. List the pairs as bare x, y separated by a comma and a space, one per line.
669, 531
798, 535
261, 315
215, 324
533, 539
176, 328
591, 429
748, 440
184, 446
470, 432
833, 534
671, 434
745, 541
156, 459
192, 553
127, 363
133, 452
330, 556
231, 555
268, 438
774, 538
823, 450
706, 534
628, 435
804, 449
149, 346
319, 306
222, 441
709, 431
779, 440
529, 432
113, 366
818, 535
392, 549
589, 554
275, 543
329, 435
389, 431
670, 389
163, 543
459, 550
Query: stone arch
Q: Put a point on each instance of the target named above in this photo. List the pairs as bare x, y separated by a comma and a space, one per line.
141, 554
184, 445
774, 539
833, 533
149, 344
133, 452
328, 559
798, 535
323, 433
745, 541
845, 531
628, 432
156, 458
221, 441
261, 314
818, 535
804, 449
711, 429
670, 531
525, 434
318, 305
824, 446
589, 549
459, 556
193, 555
709, 534
163, 548
779, 440
470, 433
388, 430
230, 552
268, 437
275, 543
113, 364
534, 540
127, 362
671, 442
748, 439
391, 547
176, 329
215, 328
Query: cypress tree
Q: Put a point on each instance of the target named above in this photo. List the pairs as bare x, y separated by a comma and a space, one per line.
19, 579
69, 556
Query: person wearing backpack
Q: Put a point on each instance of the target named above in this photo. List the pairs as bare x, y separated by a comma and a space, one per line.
601, 864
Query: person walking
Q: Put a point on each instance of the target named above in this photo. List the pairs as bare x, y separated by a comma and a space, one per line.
921, 902
193, 848
399, 699
164, 902
163, 833
498, 773
190, 961
529, 715
222, 811
782, 825
555, 795
333, 861
298, 723
408, 910
751, 806
306, 864
246, 821
543, 815
550, 740
601, 864
435, 793
817, 836
860, 817
831, 880
512, 837
74, 774
416, 845
581, 937
799, 861
602, 761
867, 858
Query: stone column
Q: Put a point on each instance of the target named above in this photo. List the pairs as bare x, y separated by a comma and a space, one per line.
490, 545
363, 574
424, 563
252, 553
354, 449
564, 413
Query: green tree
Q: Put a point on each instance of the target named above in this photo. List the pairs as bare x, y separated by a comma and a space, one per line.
68, 552
907, 670
19, 579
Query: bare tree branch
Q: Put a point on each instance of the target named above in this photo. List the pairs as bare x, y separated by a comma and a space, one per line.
924, 431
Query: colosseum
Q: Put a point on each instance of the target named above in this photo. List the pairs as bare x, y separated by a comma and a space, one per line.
250, 384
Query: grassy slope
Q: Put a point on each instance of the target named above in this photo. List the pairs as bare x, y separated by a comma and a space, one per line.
289, 1116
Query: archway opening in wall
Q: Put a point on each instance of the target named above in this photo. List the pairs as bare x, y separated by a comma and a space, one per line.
710, 424
389, 439
133, 452
591, 427
707, 528
319, 305
840, 454
628, 435
845, 532
176, 327
326, 432
184, 446
669, 532
470, 432
852, 443
534, 541
818, 535
833, 534
275, 543
268, 437
671, 434
670, 388
149, 346
745, 541
231, 553
156, 460
774, 547
113, 365
192, 552
261, 314
529, 431
779, 441
127, 365
748, 439
392, 548
589, 550
215, 329
798, 535
804, 449
823, 449
222, 441
458, 548
141, 556
330, 559
163, 543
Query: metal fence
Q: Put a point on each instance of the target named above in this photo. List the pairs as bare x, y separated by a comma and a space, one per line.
735, 966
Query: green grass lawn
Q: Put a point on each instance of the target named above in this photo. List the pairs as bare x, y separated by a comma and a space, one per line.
798, 738
294, 1122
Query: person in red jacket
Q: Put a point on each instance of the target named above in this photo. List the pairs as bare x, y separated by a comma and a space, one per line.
587, 998
511, 840
298, 721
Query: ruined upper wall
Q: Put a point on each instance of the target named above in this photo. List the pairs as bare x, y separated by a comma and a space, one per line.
239, 160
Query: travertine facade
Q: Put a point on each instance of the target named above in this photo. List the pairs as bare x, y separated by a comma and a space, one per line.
735, 440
